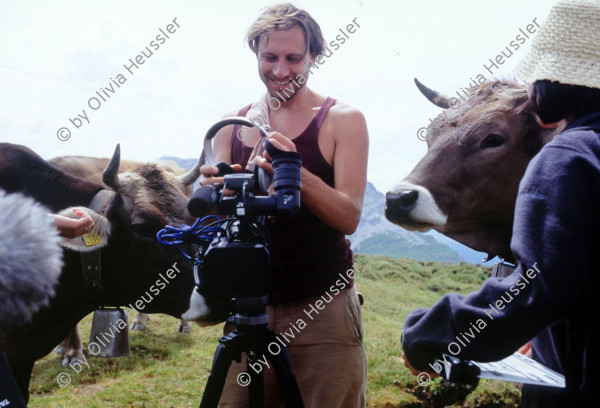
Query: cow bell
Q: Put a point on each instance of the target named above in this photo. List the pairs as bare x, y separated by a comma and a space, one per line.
109, 336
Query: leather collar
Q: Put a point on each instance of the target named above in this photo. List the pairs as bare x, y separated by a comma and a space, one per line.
91, 266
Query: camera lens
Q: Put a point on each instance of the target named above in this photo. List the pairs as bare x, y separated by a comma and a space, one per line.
286, 172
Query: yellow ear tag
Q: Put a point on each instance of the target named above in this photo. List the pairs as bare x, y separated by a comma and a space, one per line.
91, 239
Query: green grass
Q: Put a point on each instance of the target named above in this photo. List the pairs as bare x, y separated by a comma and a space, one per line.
169, 369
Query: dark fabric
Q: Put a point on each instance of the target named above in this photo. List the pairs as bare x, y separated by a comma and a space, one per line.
556, 230
9, 391
309, 256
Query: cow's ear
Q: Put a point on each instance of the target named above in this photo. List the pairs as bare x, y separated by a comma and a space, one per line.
95, 239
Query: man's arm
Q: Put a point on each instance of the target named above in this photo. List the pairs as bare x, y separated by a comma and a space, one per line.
222, 144
338, 207
341, 207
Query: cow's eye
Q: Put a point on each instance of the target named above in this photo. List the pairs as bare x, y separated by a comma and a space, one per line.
144, 230
492, 140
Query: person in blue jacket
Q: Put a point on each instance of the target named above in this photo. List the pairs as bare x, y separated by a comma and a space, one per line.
550, 298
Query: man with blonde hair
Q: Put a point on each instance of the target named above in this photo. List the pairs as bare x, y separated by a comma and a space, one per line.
314, 307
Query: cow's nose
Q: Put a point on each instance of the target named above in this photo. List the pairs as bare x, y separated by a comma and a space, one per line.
400, 203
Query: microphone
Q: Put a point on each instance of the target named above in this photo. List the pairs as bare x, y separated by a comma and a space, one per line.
30, 259
202, 201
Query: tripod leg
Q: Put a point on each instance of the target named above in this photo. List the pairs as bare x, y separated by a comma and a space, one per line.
216, 379
286, 380
256, 390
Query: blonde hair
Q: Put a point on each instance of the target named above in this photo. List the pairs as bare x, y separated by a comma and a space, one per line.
285, 16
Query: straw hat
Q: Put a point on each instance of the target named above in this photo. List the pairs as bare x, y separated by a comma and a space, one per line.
567, 46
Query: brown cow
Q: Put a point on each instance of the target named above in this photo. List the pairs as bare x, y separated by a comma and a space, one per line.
138, 204
90, 168
466, 185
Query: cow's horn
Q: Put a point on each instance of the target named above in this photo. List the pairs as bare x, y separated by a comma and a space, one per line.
434, 97
192, 175
110, 175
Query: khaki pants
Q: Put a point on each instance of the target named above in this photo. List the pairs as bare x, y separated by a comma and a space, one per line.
327, 354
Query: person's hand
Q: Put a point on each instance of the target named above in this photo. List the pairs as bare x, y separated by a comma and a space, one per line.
73, 228
414, 371
279, 141
526, 350
208, 172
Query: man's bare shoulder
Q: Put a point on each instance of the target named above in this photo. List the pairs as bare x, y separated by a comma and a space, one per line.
343, 112
343, 117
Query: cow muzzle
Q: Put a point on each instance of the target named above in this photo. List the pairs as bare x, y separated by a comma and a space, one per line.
413, 207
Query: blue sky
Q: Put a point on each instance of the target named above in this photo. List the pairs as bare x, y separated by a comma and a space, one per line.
56, 55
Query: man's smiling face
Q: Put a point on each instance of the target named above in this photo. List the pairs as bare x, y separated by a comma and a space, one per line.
282, 56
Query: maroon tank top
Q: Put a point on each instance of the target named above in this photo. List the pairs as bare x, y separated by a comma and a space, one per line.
308, 256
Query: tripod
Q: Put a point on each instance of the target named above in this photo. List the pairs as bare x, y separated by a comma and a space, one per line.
252, 337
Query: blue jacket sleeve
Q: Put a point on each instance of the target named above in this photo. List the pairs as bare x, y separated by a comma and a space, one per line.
554, 233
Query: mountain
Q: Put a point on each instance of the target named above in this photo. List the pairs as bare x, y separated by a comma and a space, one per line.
468, 254
376, 235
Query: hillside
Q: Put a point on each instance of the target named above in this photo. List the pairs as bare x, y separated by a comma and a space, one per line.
170, 369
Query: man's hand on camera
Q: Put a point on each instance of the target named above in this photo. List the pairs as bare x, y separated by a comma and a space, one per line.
280, 142
208, 173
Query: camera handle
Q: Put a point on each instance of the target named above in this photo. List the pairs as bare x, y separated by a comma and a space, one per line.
207, 156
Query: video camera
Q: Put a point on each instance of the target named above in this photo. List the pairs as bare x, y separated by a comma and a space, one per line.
232, 261
242, 256
233, 258
245, 202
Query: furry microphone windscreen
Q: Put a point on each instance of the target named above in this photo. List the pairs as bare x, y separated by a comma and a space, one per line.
30, 259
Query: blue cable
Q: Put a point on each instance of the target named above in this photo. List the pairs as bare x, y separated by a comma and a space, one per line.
195, 234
